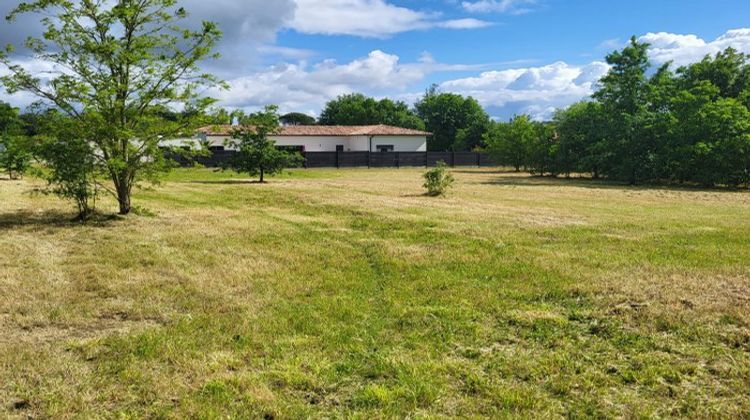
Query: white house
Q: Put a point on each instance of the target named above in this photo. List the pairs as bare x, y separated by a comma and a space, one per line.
328, 138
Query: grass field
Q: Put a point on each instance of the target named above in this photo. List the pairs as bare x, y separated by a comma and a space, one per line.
348, 293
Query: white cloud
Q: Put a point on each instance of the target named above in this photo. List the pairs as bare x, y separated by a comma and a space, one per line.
502, 6
303, 87
685, 49
537, 91
464, 24
368, 18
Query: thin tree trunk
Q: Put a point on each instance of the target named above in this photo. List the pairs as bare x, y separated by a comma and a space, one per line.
261, 175
122, 185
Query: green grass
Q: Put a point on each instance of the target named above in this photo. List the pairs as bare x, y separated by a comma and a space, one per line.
348, 293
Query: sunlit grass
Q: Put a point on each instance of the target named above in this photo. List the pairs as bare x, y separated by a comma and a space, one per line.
350, 293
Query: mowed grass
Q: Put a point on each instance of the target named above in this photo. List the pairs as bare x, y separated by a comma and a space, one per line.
348, 293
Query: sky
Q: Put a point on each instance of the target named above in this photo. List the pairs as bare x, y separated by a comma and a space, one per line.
513, 56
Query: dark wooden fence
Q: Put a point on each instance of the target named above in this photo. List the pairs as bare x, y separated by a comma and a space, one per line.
366, 159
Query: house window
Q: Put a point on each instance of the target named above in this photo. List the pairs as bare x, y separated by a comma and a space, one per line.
385, 147
299, 149
216, 148
339, 147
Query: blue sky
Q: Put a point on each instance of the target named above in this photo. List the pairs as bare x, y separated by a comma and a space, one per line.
514, 56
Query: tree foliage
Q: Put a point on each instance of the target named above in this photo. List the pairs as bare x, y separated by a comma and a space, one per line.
297, 118
257, 155
15, 147
358, 109
456, 122
119, 67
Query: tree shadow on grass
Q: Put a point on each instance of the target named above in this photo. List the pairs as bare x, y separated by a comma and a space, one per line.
483, 171
580, 182
230, 182
53, 219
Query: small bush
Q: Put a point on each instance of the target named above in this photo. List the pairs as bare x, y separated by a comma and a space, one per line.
15, 155
438, 180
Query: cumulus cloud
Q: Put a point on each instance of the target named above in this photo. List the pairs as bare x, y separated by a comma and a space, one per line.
368, 18
306, 87
502, 6
686, 49
537, 91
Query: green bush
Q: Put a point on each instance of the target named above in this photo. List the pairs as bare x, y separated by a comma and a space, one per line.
438, 180
15, 155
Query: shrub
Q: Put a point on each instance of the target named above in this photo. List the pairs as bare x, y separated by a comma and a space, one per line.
438, 180
15, 155
70, 172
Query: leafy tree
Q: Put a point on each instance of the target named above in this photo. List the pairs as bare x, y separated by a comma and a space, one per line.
623, 94
358, 109
15, 153
582, 146
71, 172
457, 123
727, 70
124, 62
542, 150
297, 118
256, 153
510, 143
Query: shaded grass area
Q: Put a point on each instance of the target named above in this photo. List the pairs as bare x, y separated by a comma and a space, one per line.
347, 293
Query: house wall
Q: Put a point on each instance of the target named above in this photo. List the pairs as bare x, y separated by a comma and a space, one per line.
400, 143
313, 143
351, 144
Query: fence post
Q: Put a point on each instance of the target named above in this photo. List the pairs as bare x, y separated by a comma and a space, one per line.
368, 159
304, 164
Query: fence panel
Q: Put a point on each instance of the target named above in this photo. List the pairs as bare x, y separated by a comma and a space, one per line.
360, 159
320, 160
411, 158
352, 159
432, 158
383, 159
465, 159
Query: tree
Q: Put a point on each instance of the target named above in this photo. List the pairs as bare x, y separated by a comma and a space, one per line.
543, 148
256, 153
71, 171
510, 143
121, 63
358, 109
580, 129
15, 148
297, 118
727, 70
456, 123
15, 155
623, 94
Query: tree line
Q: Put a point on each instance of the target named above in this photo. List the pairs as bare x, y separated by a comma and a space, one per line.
691, 125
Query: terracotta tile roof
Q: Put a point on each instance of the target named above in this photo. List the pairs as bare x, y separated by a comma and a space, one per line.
324, 130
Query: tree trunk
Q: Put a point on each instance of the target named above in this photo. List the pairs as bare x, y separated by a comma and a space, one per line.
261, 175
123, 197
122, 184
